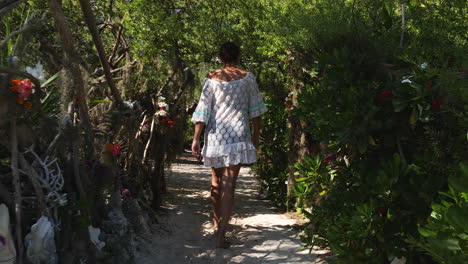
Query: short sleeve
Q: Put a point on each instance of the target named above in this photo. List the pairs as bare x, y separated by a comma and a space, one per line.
203, 111
256, 105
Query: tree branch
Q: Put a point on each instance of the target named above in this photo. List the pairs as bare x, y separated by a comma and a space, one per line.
10, 6
70, 64
16, 183
91, 22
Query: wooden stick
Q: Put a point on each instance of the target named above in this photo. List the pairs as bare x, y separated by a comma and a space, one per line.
71, 58
91, 22
116, 44
10, 6
149, 140
16, 183
32, 175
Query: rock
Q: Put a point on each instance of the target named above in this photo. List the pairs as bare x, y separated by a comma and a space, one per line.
118, 236
138, 219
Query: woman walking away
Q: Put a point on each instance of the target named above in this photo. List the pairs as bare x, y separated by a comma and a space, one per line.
229, 96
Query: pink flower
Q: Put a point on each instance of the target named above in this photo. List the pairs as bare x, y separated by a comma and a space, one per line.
125, 193
24, 89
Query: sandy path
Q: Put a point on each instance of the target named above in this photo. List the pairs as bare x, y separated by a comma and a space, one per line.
183, 233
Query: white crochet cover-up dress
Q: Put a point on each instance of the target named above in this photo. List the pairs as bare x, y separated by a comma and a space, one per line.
225, 108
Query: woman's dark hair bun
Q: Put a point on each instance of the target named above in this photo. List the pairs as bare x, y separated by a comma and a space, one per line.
229, 52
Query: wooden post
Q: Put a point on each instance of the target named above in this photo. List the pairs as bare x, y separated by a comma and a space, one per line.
16, 183
70, 59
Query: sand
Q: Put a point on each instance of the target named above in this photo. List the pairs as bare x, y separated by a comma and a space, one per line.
183, 232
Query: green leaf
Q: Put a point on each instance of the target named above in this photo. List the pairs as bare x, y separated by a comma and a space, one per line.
460, 183
457, 217
425, 232
100, 101
50, 80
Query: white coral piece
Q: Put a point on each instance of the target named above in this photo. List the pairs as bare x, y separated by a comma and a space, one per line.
51, 179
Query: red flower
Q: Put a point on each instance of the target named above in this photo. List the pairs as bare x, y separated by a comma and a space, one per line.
436, 104
170, 122
114, 150
429, 84
24, 88
384, 95
462, 69
329, 158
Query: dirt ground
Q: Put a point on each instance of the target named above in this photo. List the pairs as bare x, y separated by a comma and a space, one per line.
183, 234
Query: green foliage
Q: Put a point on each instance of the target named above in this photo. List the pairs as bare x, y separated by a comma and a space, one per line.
271, 167
393, 116
445, 235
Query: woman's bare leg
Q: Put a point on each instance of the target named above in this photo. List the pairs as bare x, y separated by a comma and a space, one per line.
216, 176
228, 184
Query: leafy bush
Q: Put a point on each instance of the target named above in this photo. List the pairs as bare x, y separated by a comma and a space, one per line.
445, 235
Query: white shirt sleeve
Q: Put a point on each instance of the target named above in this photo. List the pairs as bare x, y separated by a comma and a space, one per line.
204, 108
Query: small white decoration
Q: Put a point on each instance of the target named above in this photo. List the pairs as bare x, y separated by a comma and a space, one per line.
94, 236
37, 72
424, 65
162, 104
7, 247
40, 242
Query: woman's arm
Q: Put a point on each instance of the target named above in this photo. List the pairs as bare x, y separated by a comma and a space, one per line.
256, 123
196, 139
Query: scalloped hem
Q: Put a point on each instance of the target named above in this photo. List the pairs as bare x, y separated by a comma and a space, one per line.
223, 150
233, 158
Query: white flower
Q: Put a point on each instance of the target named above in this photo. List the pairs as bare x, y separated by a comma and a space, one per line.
162, 104
161, 98
407, 80
37, 72
424, 65
161, 113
